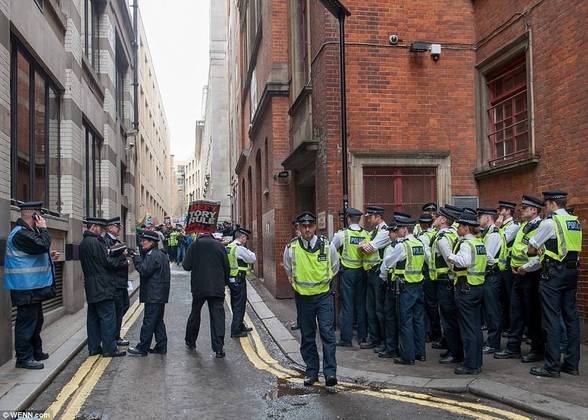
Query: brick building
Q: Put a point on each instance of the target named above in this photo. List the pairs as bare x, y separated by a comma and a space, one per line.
66, 106
466, 128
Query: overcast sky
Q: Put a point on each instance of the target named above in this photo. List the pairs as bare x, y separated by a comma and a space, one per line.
177, 33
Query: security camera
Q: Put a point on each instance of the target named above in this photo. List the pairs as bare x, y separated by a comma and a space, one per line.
435, 51
394, 39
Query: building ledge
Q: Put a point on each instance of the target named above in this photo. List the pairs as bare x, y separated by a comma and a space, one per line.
241, 161
300, 156
271, 89
486, 172
306, 90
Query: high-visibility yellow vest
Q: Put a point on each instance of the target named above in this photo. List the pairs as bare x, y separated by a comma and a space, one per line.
411, 268
518, 255
417, 230
568, 234
236, 265
501, 259
475, 273
351, 257
511, 243
372, 259
311, 271
437, 265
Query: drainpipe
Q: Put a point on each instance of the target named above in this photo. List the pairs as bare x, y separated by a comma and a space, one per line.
136, 66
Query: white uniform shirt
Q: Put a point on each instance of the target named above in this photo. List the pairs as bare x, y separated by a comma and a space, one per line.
244, 254
511, 230
382, 239
443, 247
287, 261
546, 231
426, 243
393, 255
493, 242
463, 258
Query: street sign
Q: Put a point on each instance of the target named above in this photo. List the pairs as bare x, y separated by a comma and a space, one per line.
202, 216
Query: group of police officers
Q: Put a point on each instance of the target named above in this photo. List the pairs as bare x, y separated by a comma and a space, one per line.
442, 278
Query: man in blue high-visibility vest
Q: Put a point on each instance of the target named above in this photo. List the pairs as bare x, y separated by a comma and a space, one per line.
29, 275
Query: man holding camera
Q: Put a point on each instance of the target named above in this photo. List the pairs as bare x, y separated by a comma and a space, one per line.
121, 277
29, 276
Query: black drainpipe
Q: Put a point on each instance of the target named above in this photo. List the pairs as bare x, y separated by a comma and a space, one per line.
136, 67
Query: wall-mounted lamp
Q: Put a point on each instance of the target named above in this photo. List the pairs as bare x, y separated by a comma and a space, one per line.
282, 175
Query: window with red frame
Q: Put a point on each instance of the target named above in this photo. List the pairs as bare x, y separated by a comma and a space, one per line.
403, 189
507, 113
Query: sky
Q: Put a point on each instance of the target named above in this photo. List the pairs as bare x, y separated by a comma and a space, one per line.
177, 33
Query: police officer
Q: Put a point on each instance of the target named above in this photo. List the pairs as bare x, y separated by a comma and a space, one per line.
469, 260
496, 249
525, 304
121, 293
430, 209
509, 227
389, 349
29, 275
406, 260
376, 288
310, 263
352, 279
240, 260
441, 273
99, 283
432, 318
152, 264
559, 239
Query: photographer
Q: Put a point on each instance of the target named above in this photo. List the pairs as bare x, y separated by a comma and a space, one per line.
30, 278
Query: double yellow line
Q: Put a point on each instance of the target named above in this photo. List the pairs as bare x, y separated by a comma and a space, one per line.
85, 379
261, 359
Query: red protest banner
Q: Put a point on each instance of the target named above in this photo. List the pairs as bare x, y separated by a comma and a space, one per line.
202, 216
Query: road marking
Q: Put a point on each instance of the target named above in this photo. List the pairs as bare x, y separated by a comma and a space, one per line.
88, 370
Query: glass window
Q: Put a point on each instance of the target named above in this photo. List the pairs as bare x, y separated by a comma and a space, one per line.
90, 43
35, 143
93, 159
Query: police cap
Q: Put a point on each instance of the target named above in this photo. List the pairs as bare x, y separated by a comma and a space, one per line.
426, 218
403, 219
374, 210
554, 195
150, 235
306, 218
491, 212
467, 218
351, 212
506, 204
529, 201
430, 207
31, 205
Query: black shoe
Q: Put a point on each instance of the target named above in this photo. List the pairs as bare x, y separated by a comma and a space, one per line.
116, 354
489, 350
331, 381
30, 364
462, 370
401, 361
532, 358
367, 345
421, 358
41, 356
540, 371
220, 354
570, 371
122, 343
506, 354
444, 354
310, 380
191, 346
134, 351
449, 360
344, 344
380, 348
439, 345
387, 354
247, 329
239, 335
157, 351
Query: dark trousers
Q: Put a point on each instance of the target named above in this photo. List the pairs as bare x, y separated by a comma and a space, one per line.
313, 309
238, 302
374, 305
352, 297
181, 253
412, 322
468, 299
121, 306
506, 296
27, 331
525, 311
101, 326
448, 309
493, 308
391, 315
558, 288
173, 252
216, 311
153, 325
433, 319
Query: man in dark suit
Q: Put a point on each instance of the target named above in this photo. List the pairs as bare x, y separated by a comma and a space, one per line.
207, 259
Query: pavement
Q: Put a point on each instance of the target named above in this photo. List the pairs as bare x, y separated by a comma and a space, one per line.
62, 339
505, 381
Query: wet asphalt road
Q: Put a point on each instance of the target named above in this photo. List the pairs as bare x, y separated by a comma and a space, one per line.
188, 384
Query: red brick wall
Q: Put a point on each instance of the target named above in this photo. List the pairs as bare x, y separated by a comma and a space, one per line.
560, 102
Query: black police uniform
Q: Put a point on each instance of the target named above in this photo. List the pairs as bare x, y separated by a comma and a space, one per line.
29, 310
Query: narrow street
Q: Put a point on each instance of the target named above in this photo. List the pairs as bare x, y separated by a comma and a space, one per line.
253, 381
